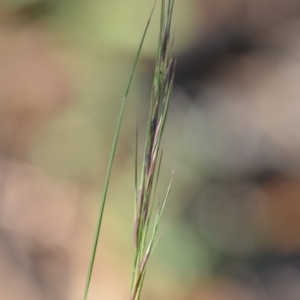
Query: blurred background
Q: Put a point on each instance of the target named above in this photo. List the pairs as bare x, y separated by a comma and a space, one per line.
234, 211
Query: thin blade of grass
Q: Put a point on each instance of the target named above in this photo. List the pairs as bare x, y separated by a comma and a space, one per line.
135, 168
112, 155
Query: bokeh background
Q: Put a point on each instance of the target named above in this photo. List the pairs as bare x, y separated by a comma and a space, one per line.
233, 216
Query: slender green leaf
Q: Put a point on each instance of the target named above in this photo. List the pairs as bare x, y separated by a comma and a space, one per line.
112, 155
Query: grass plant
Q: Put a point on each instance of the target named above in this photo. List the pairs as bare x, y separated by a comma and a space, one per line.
146, 218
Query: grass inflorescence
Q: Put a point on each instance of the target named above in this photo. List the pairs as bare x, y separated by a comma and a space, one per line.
146, 195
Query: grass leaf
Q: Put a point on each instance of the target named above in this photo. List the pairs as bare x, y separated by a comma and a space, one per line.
112, 155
